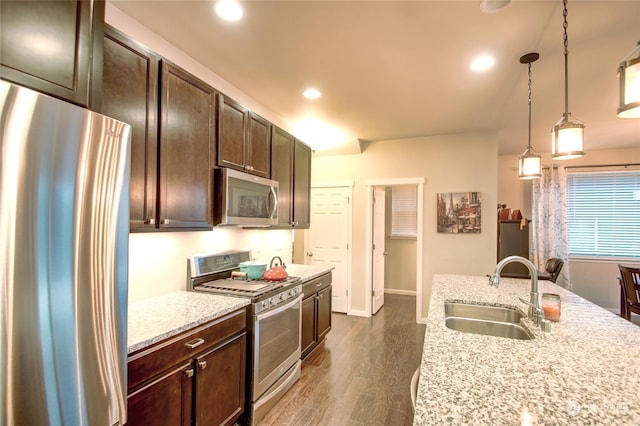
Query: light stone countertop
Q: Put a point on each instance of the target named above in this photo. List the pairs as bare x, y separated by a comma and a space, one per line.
307, 272
586, 371
155, 319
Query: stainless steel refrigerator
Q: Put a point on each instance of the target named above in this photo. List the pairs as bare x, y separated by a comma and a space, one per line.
64, 215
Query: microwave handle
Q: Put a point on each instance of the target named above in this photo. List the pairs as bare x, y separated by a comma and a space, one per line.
273, 212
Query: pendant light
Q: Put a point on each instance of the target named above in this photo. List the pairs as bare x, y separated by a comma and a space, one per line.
629, 75
567, 136
529, 164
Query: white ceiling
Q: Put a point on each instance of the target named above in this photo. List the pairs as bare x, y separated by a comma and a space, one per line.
400, 69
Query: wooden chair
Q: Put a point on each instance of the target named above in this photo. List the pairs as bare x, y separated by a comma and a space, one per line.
631, 289
552, 268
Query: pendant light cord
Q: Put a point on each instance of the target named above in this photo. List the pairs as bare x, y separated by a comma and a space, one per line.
565, 25
529, 74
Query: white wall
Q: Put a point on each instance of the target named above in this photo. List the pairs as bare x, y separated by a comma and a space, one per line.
157, 261
595, 281
450, 163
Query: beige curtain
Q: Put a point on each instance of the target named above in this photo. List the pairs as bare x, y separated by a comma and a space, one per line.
549, 221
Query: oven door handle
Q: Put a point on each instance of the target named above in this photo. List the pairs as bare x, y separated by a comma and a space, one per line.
274, 210
276, 311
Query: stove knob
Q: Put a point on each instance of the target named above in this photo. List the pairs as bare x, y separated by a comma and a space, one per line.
272, 301
265, 304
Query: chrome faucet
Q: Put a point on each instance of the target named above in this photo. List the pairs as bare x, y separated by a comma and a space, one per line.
536, 314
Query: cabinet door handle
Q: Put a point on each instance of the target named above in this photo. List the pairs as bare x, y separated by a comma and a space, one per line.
189, 372
165, 221
194, 343
202, 365
150, 221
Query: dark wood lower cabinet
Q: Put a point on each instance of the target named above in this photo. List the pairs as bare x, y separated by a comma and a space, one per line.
324, 312
165, 401
197, 377
220, 383
316, 313
308, 338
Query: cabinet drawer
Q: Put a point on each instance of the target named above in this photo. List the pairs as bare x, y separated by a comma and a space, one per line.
316, 284
146, 363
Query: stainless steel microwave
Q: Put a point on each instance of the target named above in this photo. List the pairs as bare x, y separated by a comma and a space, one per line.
244, 200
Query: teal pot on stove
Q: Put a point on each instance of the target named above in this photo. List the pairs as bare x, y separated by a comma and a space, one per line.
254, 270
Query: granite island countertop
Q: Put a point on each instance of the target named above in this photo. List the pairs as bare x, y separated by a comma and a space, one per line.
585, 371
157, 318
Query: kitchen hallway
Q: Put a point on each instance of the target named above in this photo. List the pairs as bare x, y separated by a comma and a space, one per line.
361, 375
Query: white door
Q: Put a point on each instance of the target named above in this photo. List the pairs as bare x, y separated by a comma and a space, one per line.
378, 248
327, 241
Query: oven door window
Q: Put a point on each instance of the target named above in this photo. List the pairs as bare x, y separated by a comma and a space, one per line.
278, 340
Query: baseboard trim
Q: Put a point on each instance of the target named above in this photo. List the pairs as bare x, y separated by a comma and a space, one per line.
358, 313
400, 292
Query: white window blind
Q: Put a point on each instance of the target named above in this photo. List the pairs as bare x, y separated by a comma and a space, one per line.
403, 211
603, 214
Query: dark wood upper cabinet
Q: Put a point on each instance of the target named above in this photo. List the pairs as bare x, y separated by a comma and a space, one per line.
130, 94
187, 155
54, 47
282, 171
291, 167
301, 185
172, 116
244, 138
232, 119
258, 146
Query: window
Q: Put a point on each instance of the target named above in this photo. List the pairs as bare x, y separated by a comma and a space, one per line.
403, 211
603, 214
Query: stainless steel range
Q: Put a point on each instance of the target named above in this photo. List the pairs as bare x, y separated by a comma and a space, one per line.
276, 311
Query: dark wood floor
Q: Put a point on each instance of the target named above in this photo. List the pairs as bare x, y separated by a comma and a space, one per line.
362, 374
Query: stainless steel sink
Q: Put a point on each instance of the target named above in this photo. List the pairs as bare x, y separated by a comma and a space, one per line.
496, 321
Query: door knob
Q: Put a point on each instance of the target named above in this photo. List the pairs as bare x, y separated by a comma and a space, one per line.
309, 253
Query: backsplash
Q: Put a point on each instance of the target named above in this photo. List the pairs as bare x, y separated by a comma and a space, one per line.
158, 261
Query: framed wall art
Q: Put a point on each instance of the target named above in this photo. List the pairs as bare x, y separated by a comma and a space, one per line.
459, 212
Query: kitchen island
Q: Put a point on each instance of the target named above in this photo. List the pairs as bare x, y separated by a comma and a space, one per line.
585, 371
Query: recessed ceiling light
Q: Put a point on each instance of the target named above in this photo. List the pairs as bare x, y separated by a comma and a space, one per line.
493, 6
482, 63
312, 93
229, 10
